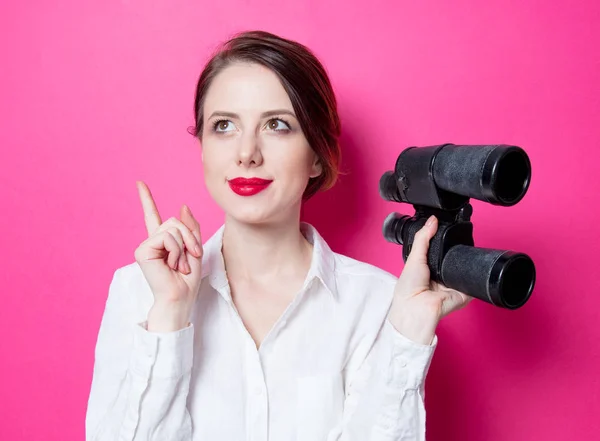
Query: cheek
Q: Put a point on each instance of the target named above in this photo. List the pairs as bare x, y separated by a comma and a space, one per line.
294, 173
214, 160
295, 161
213, 169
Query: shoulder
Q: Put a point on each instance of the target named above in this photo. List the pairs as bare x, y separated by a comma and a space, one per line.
362, 278
349, 267
365, 293
353, 278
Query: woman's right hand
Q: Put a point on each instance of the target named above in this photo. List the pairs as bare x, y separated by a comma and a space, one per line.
171, 260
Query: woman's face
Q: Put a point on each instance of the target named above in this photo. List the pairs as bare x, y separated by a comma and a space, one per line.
251, 131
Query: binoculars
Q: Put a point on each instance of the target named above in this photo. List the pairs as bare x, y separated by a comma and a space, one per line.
439, 180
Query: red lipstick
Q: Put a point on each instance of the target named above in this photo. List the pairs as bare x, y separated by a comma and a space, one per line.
248, 186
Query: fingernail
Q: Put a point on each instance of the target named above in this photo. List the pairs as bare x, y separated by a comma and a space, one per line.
429, 221
197, 249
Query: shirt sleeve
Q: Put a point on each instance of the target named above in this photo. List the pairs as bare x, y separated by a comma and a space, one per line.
385, 401
141, 379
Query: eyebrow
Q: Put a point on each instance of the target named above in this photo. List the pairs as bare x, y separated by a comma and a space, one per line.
262, 115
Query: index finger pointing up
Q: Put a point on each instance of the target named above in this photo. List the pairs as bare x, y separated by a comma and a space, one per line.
151, 215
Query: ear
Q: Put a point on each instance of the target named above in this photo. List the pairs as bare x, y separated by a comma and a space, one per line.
316, 168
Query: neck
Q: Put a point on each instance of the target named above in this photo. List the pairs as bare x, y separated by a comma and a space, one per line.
261, 253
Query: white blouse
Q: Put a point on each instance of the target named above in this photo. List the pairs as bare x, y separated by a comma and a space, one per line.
331, 368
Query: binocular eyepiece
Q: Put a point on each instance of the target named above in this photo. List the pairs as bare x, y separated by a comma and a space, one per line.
439, 180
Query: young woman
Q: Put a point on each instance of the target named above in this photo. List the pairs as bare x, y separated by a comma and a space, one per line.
263, 333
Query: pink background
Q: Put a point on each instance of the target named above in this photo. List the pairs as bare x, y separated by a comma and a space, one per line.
95, 95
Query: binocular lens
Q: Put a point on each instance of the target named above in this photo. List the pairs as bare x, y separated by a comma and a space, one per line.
515, 273
392, 227
388, 187
511, 177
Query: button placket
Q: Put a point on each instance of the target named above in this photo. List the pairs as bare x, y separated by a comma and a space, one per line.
259, 417
257, 397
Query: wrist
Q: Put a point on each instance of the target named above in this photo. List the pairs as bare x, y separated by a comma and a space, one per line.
415, 324
167, 318
417, 334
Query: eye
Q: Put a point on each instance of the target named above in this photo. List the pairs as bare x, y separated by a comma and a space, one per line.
223, 125
278, 125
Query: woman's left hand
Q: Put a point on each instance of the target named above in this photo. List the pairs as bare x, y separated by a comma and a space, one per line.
419, 302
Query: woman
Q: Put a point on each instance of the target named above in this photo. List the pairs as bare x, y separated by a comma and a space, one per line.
263, 332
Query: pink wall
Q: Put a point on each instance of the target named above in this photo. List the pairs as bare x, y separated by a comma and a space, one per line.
94, 97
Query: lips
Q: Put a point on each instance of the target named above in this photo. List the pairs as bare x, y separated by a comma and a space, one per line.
248, 186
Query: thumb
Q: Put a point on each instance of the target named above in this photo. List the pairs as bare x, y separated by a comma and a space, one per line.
188, 219
420, 246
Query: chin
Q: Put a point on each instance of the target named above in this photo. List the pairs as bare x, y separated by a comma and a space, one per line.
258, 214
255, 210
249, 218
249, 213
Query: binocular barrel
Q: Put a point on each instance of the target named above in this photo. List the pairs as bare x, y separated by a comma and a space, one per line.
498, 174
500, 277
447, 174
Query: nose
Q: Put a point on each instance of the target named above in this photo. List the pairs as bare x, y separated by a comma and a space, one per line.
249, 154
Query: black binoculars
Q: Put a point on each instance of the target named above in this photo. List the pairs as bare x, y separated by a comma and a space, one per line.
439, 180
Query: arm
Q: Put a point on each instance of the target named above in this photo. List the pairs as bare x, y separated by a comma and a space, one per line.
386, 396
390, 384
141, 379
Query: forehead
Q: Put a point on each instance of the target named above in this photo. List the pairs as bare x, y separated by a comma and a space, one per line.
246, 87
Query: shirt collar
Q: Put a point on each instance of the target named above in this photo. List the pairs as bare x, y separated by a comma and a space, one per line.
322, 263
